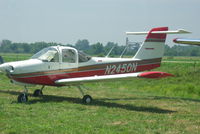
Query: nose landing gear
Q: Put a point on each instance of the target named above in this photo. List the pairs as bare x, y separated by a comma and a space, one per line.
23, 97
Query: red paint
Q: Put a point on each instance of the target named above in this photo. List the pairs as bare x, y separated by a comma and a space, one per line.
155, 74
175, 40
154, 36
49, 79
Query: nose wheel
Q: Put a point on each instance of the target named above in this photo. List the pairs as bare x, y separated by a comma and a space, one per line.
22, 98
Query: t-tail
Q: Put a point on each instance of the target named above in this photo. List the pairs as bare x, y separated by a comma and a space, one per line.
153, 46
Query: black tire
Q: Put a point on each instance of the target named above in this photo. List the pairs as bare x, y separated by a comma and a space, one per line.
37, 93
87, 99
22, 98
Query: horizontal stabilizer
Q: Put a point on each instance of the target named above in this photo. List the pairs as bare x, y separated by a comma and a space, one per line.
81, 80
187, 41
179, 31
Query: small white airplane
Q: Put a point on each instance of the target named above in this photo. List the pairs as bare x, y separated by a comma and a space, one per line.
187, 41
66, 66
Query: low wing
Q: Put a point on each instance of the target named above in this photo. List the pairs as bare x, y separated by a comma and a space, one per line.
80, 80
187, 41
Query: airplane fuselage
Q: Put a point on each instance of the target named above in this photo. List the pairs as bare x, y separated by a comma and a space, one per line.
35, 71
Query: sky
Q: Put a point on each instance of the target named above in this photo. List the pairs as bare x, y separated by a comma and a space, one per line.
66, 21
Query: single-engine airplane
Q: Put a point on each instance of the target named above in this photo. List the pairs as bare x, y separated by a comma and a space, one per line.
187, 41
66, 66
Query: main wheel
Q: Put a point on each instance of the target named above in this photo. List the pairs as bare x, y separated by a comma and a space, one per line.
87, 99
37, 93
22, 98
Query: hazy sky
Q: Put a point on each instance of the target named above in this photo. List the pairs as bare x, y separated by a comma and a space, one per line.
66, 21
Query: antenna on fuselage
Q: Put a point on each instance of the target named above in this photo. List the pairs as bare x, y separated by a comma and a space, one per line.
110, 51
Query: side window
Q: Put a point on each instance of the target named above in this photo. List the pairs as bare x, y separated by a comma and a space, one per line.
68, 55
82, 57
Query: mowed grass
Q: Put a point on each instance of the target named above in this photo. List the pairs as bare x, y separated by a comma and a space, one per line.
8, 57
170, 105
181, 58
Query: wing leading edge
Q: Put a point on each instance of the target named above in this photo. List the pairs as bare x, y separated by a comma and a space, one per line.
81, 80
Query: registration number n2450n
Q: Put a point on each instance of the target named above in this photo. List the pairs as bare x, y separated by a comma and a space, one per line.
121, 68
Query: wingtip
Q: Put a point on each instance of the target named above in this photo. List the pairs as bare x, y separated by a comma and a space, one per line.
175, 40
155, 75
183, 31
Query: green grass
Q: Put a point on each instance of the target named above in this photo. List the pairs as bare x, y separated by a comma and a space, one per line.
14, 57
181, 58
170, 105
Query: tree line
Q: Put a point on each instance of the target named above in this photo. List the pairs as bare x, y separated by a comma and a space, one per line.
98, 49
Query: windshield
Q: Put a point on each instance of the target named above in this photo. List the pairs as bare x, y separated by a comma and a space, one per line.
47, 54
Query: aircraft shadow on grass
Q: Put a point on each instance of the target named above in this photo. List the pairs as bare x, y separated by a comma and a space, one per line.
153, 98
103, 103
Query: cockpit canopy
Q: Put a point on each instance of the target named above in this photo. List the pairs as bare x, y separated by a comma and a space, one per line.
51, 54
47, 54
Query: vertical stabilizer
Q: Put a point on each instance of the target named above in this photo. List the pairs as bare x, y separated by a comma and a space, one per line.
153, 46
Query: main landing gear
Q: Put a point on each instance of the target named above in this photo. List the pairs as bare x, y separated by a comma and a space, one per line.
86, 98
23, 97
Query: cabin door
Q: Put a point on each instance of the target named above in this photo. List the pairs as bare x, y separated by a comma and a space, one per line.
69, 59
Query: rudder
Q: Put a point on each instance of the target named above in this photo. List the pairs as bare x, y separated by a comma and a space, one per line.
153, 46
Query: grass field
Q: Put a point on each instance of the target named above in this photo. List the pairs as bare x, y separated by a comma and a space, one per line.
170, 105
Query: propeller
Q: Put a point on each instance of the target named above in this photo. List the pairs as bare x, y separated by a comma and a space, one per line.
7, 69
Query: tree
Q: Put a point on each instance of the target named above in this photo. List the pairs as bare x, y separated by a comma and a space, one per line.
97, 49
6, 46
108, 47
82, 45
5, 42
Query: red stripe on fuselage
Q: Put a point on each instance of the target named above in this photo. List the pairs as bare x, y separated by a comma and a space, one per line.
86, 68
49, 79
